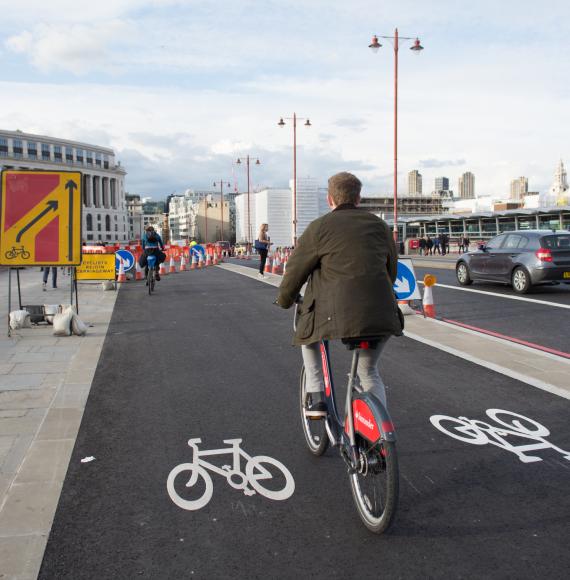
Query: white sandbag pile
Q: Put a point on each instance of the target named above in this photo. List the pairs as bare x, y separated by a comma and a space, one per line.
20, 319
68, 322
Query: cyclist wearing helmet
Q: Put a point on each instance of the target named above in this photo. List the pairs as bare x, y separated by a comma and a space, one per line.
152, 245
348, 259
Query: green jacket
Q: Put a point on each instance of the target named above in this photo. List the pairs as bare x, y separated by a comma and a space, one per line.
350, 261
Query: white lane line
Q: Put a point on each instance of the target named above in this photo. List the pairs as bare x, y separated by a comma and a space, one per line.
492, 366
543, 302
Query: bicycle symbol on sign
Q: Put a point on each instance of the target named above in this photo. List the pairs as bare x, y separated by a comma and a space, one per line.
513, 425
256, 470
15, 252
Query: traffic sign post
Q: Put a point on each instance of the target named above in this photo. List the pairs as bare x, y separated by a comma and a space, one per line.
406, 286
40, 221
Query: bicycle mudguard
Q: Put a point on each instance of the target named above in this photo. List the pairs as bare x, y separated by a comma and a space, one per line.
371, 419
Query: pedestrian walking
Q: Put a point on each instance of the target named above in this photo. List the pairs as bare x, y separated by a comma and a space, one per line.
444, 244
53, 277
262, 246
422, 246
465, 244
436, 245
429, 245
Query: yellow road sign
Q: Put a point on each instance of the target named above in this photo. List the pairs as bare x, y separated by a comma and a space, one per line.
97, 267
40, 222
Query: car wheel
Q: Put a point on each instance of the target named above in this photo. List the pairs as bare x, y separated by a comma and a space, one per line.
462, 273
521, 281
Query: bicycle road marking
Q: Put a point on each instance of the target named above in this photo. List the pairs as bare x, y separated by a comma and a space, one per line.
478, 432
240, 480
521, 298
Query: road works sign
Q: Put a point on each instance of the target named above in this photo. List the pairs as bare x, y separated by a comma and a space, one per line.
40, 222
97, 267
406, 287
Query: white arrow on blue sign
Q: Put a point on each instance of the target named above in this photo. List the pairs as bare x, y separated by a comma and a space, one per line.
126, 257
405, 286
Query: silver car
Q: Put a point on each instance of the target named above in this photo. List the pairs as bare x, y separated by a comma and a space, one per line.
522, 259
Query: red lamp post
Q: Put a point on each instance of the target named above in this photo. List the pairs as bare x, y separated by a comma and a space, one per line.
416, 48
306, 124
221, 184
247, 159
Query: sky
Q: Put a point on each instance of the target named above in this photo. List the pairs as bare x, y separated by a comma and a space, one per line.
181, 88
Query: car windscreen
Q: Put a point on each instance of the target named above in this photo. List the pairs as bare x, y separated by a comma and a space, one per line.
556, 242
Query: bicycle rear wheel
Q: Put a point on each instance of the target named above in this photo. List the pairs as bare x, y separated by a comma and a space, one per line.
375, 485
313, 429
150, 280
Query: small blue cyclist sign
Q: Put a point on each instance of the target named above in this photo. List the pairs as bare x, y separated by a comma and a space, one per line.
405, 286
126, 257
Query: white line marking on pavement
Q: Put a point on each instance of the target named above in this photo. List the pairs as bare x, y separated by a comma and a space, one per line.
543, 302
492, 366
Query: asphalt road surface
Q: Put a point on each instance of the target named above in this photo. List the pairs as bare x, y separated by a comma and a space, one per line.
208, 357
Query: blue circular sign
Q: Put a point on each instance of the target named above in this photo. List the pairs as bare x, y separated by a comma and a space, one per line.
405, 283
126, 257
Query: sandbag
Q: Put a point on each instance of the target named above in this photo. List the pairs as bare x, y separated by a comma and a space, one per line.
78, 327
108, 285
20, 319
50, 310
62, 323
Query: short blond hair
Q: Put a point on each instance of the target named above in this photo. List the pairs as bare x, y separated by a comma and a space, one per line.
344, 188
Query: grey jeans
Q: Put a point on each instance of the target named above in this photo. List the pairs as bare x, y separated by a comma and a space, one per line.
367, 369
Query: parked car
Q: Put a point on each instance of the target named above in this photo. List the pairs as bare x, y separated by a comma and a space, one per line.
523, 259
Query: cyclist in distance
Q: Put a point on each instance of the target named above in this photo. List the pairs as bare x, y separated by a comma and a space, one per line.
152, 244
348, 259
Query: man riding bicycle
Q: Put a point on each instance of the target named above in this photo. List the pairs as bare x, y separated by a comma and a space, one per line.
152, 245
349, 259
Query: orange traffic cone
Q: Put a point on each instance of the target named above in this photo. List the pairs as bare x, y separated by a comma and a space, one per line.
162, 270
200, 261
405, 307
268, 265
194, 263
276, 265
182, 263
216, 261
429, 306
121, 278
138, 270
172, 268
208, 260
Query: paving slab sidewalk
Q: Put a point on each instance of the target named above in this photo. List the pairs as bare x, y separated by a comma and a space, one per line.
44, 385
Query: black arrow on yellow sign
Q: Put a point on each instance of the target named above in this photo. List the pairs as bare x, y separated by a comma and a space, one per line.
70, 186
50, 206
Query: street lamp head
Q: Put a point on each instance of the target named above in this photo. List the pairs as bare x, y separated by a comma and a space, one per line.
375, 44
417, 48
238, 161
257, 162
281, 122
308, 123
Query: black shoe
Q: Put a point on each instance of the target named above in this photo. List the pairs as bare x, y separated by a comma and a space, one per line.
157, 277
315, 406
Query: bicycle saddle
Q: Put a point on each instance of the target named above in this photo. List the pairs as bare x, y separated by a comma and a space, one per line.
364, 342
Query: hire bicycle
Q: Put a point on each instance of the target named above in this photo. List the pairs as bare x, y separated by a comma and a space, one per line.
366, 438
151, 262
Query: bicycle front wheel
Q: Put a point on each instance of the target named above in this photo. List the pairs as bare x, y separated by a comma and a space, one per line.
150, 280
313, 429
375, 485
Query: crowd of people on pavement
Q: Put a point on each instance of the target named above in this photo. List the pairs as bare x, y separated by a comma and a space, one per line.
440, 244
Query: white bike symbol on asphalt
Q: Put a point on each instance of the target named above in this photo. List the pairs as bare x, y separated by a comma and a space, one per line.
480, 433
254, 473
